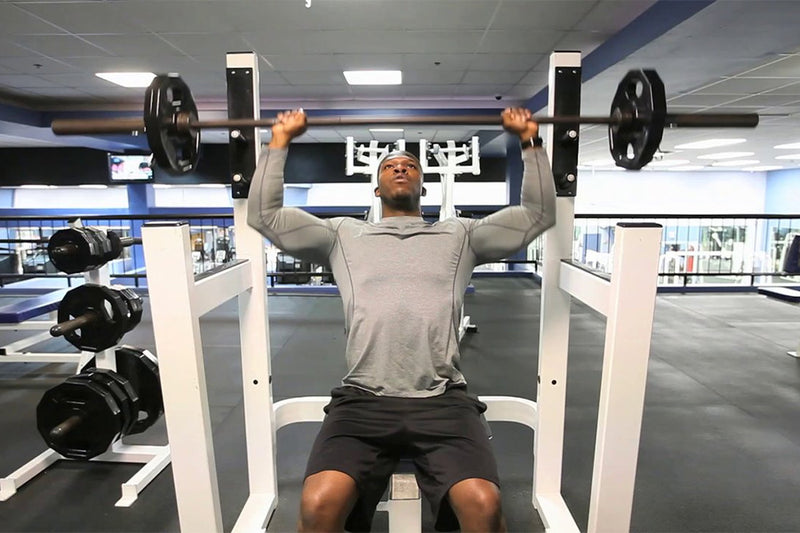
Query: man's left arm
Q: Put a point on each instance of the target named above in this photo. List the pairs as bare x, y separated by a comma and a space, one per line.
505, 232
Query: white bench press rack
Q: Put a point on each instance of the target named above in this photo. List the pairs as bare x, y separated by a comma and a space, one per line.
178, 300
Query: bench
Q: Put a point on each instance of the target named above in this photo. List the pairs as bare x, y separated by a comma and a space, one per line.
782, 293
31, 307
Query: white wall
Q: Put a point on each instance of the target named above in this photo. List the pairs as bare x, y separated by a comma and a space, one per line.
192, 196
670, 192
53, 197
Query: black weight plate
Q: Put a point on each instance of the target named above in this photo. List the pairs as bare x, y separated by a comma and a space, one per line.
86, 253
108, 329
99, 414
123, 392
641, 103
140, 367
115, 243
134, 304
175, 151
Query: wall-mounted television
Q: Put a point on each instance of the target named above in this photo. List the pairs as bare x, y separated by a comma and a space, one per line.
130, 168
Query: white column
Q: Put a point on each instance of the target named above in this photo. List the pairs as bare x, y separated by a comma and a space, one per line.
176, 327
553, 344
629, 325
254, 338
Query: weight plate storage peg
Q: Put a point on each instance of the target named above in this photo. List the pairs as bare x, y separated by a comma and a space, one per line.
95, 317
79, 418
74, 250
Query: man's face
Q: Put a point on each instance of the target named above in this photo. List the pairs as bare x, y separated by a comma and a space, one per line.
399, 180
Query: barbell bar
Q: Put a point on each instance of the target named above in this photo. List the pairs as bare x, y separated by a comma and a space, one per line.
635, 125
182, 122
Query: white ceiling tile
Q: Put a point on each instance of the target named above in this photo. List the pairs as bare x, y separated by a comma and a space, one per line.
515, 42
199, 44
59, 45
505, 61
17, 21
768, 100
611, 15
541, 14
744, 86
427, 91
432, 77
176, 16
493, 77
27, 65
446, 61
302, 62
23, 81
91, 17
489, 91
787, 67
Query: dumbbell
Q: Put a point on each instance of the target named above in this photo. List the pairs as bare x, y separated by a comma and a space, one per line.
81, 249
81, 417
95, 317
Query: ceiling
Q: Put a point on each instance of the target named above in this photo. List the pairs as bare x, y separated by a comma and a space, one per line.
714, 56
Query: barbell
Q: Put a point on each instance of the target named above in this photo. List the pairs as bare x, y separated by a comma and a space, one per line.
95, 317
80, 249
635, 126
81, 417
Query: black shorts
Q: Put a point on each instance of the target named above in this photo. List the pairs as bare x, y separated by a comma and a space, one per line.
365, 436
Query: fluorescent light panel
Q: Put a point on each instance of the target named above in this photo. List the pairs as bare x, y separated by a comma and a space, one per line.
790, 157
373, 77
790, 146
687, 168
710, 143
128, 79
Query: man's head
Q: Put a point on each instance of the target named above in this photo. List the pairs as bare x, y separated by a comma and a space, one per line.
400, 182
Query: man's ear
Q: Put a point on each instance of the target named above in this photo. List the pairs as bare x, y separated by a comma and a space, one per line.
377, 192
424, 192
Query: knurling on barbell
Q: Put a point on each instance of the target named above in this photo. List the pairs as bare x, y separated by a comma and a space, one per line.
636, 123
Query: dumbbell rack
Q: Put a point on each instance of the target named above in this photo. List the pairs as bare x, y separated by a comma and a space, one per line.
154, 458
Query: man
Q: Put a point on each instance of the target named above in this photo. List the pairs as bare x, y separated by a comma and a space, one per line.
402, 282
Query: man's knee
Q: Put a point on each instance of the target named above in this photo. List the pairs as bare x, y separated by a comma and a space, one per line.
326, 501
477, 501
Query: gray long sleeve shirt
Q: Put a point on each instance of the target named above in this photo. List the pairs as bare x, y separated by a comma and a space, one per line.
402, 280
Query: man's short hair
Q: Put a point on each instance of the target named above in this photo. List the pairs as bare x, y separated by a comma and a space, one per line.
400, 153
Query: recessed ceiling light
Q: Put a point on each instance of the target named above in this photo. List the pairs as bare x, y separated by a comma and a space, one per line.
763, 168
790, 146
386, 130
710, 143
34, 186
736, 163
725, 155
93, 186
790, 156
373, 77
128, 79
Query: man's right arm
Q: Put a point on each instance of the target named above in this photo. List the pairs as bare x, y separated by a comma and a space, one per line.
291, 229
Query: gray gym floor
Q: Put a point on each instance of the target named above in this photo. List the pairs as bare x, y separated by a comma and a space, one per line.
720, 448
